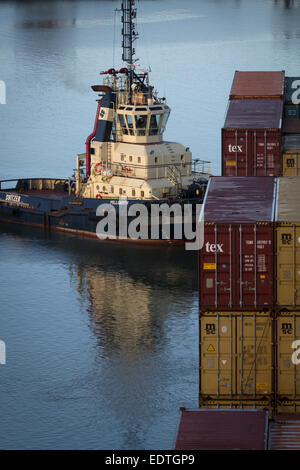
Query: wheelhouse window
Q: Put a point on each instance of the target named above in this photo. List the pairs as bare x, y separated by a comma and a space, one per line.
122, 124
164, 122
130, 124
154, 124
140, 124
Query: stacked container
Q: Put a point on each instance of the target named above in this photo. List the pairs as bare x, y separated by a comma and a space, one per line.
236, 295
287, 245
249, 294
251, 136
291, 107
291, 128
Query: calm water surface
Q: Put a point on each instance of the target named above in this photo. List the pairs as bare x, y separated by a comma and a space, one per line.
102, 337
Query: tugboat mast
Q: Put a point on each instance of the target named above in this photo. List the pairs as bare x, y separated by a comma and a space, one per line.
129, 35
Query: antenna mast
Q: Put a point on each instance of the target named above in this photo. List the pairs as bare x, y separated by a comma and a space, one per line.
129, 36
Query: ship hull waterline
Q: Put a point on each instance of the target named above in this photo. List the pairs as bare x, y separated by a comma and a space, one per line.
62, 216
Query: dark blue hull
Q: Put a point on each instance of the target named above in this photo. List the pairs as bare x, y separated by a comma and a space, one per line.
54, 210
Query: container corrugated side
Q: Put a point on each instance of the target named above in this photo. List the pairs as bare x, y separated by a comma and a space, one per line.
248, 152
291, 142
257, 84
291, 155
236, 357
284, 432
288, 362
236, 262
251, 138
287, 242
236, 267
291, 163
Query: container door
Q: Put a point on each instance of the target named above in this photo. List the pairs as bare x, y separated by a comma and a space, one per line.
235, 153
255, 266
288, 356
236, 356
217, 268
217, 360
288, 266
254, 355
266, 153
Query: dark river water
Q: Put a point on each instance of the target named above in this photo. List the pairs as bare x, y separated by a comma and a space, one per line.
102, 338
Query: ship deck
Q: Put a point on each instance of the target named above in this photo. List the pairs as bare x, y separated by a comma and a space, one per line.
48, 193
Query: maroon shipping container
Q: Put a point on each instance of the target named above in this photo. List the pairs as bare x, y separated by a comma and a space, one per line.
251, 138
221, 429
260, 84
236, 261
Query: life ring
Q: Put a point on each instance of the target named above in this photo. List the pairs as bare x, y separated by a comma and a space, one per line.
99, 196
98, 165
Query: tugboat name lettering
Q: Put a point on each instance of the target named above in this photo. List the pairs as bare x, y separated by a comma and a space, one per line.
13, 198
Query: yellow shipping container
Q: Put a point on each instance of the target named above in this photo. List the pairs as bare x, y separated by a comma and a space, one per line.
288, 265
236, 356
288, 359
291, 163
236, 404
288, 243
287, 406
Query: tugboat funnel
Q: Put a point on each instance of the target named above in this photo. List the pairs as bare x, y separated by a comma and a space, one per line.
105, 117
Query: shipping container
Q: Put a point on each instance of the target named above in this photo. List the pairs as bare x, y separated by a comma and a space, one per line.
288, 243
236, 262
288, 362
251, 138
291, 155
292, 90
222, 430
247, 85
284, 432
236, 357
291, 163
291, 111
288, 407
291, 142
291, 126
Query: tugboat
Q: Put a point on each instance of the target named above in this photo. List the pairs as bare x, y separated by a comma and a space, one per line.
126, 161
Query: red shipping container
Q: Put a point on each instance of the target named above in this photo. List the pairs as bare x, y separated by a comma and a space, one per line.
251, 138
247, 85
222, 429
236, 262
291, 126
